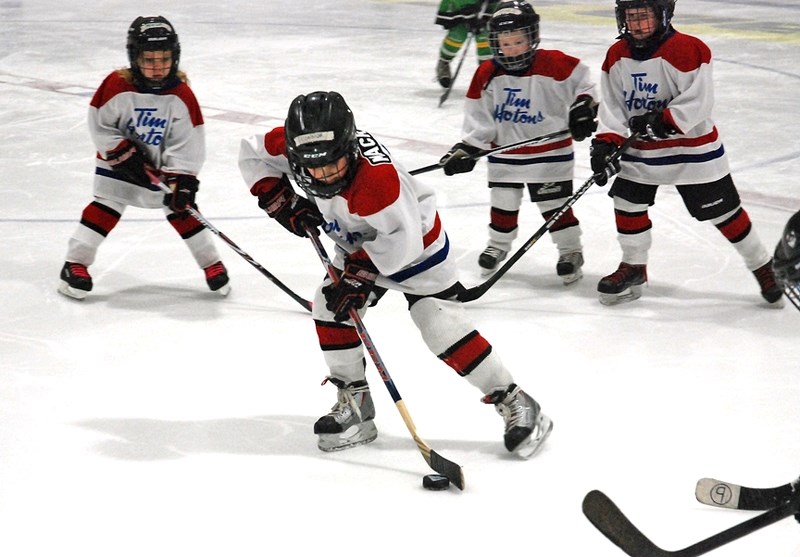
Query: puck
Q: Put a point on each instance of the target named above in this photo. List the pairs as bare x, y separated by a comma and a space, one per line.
435, 482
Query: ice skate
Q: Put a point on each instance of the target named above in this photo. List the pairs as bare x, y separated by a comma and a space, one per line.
526, 426
217, 278
443, 75
350, 421
770, 290
569, 267
76, 282
490, 258
623, 285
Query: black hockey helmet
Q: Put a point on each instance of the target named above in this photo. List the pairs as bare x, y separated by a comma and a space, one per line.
320, 130
514, 15
664, 9
148, 34
786, 261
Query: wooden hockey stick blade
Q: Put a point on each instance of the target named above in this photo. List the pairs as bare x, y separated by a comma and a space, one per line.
437, 462
613, 524
716, 493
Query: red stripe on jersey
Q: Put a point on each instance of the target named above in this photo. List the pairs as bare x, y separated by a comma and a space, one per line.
465, 355
632, 223
275, 142
534, 149
706, 139
336, 336
685, 53
553, 63
374, 188
434, 233
185, 93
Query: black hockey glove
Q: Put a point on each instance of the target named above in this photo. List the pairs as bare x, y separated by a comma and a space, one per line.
651, 126
353, 288
603, 165
127, 161
292, 211
459, 159
184, 188
582, 118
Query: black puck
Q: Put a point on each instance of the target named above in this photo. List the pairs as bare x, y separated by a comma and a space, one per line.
435, 482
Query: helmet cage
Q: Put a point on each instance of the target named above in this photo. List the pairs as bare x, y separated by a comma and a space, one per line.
148, 34
514, 15
319, 131
786, 262
664, 9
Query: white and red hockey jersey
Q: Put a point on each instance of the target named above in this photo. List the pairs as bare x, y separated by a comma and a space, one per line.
167, 127
384, 210
676, 78
501, 109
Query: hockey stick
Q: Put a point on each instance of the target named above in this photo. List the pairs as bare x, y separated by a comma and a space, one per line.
196, 214
470, 294
465, 48
502, 148
613, 524
727, 495
445, 467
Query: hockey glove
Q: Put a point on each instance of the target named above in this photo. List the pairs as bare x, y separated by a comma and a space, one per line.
603, 165
127, 161
184, 188
651, 126
292, 211
459, 159
353, 288
582, 118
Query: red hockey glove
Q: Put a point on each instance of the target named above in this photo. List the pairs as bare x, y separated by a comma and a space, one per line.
353, 288
184, 188
292, 211
126, 160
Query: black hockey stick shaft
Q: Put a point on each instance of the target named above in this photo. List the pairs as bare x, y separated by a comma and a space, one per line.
438, 463
717, 493
464, 48
500, 149
613, 524
471, 294
246, 256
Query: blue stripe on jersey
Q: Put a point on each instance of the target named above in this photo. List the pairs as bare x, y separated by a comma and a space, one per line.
538, 160
676, 159
116, 176
432, 261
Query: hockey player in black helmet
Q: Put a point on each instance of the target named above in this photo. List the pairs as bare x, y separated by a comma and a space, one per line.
388, 236
152, 40
657, 82
786, 261
145, 122
522, 93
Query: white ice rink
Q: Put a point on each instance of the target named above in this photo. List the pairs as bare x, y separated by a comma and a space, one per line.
155, 419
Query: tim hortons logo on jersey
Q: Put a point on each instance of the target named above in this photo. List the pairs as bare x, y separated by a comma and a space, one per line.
147, 127
352, 238
371, 149
643, 94
516, 109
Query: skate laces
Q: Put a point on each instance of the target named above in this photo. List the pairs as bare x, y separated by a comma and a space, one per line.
624, 272
214, 270
346, 397
508, 404
78, 270
766, 277
494, 252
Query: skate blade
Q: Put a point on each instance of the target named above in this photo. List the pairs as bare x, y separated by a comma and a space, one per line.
353, 436
628, 295
572, 277
71, 292
223, 290
532, 444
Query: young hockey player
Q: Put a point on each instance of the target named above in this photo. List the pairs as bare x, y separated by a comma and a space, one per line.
657, 82
525, 92
144, 119
388, 235
460, 18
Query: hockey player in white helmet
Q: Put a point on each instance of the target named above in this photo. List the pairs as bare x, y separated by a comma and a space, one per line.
388, 235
